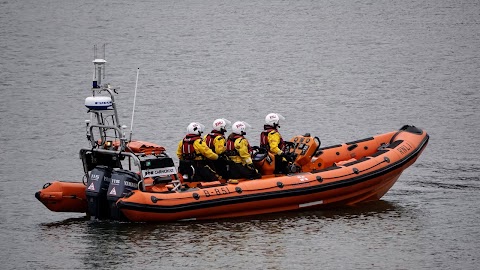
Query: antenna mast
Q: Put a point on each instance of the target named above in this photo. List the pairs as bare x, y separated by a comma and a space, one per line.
105, 67
134, 100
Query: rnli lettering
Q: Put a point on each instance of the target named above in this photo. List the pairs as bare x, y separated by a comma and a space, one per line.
404, 148
302, 178
94, 177
115, 181
216, 191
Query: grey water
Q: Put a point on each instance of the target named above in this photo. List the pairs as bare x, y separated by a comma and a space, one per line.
340, 70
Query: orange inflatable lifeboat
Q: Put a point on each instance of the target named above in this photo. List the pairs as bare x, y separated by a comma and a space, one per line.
138, 180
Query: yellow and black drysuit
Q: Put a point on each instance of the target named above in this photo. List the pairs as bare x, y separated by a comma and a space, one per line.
241, 165
216, 141
193, 154
271, 140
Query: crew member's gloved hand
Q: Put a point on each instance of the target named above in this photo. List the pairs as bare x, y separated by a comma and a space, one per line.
251, 167
283, 156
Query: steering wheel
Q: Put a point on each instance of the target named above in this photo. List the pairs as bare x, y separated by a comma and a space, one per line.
289, 147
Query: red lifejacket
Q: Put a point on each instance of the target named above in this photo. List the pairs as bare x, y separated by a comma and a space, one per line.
188, 151
230, 148
264, 138
211, 137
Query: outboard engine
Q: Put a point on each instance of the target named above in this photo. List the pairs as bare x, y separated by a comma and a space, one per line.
121, 183
97, 186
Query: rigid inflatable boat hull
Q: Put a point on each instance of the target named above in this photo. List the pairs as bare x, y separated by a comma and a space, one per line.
346, 185
349, 182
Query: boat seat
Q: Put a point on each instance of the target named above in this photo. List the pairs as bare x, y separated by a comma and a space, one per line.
162, 180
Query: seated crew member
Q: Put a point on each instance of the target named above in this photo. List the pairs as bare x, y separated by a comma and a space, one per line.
216, 141
271, 140
238, 151
193, 154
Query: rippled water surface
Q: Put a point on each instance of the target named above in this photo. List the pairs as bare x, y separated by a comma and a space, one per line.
341, 70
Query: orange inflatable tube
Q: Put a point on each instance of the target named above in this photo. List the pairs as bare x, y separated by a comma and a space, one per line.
366, 170
63, 197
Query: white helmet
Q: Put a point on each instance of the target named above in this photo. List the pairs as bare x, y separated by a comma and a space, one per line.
273, 119
240, 127
220, 124
195, 128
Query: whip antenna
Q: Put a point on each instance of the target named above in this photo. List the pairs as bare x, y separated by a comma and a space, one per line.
134, 99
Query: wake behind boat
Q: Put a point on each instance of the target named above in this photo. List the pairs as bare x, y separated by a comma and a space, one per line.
138, 181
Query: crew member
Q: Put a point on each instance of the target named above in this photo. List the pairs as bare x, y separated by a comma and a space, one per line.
238, 151
271, 140
193, 154
216, 141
